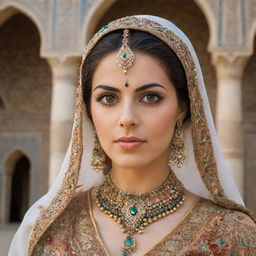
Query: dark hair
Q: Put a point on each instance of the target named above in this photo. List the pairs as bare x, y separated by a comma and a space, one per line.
138, 41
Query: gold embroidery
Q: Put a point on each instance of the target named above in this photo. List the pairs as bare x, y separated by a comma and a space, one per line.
89, 198
206, 229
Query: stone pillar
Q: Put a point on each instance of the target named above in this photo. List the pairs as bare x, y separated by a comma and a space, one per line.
64, 79
229, 121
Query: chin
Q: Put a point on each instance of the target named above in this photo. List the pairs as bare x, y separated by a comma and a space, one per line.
133, 162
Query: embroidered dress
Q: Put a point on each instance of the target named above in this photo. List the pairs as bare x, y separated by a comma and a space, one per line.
207, 229
60, 223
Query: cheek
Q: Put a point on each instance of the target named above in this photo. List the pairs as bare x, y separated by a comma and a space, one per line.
104, 123
103, 117
161, 124
99, 119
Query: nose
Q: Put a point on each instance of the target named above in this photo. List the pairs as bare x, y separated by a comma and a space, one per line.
128, 117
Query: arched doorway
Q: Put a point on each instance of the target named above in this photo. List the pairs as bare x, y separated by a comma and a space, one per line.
25, 98
20, 186
16, 186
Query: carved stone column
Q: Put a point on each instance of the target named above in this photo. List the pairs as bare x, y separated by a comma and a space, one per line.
229, 120
64, 79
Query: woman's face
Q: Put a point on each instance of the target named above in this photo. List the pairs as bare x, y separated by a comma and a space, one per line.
147, 109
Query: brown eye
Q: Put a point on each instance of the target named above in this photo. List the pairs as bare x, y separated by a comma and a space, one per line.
151, 98
107, 99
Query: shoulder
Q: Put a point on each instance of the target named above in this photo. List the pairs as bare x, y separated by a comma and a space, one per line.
79, 201
78, 205
225, 216
58, 237
239, 225
229, 227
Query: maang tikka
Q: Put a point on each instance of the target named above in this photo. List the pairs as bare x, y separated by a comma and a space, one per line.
125, 57
98, 156
177, 156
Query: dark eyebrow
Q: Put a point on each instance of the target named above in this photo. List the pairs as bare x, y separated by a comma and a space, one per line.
147, 86
141, 88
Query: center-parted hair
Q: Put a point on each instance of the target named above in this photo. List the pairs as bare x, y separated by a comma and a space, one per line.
138, 41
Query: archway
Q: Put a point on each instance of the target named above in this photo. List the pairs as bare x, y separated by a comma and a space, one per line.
2, 105
9, 9
187, 15
15, 186
6, 14
20, 184
25, 91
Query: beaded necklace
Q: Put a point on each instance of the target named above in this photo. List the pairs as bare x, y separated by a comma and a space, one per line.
134, 212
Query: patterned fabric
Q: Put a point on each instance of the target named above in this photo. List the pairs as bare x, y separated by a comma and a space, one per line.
207, 230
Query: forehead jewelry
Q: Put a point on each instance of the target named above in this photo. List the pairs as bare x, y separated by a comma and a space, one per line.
125, 57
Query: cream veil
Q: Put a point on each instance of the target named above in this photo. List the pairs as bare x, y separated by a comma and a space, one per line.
205, 174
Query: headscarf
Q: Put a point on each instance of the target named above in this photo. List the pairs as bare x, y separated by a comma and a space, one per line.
205, 173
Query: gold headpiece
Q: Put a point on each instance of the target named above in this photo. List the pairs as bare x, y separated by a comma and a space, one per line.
125, 56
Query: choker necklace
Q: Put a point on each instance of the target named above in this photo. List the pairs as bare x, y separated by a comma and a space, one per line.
134, 212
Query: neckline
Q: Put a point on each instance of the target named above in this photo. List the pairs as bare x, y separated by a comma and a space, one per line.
96, 231
186, 215
170, 179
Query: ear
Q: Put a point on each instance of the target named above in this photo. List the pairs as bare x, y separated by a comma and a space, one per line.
182, 112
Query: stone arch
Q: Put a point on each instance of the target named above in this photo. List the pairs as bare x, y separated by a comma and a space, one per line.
16, 177
98, 10
211, 20
12, 158
26, 90
20, 60
6, 14
93, 17
251, 37
185, 14
10, 8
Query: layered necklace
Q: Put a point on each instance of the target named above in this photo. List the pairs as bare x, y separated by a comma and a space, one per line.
134, 212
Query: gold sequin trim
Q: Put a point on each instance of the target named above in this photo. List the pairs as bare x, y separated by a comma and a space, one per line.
66, 191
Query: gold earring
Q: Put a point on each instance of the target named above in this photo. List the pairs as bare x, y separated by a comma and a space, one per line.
98, 155
177, 147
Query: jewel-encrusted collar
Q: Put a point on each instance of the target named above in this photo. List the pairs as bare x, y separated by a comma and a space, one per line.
203, 148
135, 212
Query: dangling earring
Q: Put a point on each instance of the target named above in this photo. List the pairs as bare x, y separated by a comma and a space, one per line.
98, 156
177, 147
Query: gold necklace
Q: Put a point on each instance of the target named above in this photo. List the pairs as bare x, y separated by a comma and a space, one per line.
134, 212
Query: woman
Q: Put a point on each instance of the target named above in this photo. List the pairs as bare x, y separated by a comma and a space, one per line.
143, 174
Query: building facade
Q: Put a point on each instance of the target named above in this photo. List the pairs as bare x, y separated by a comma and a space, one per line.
41, 44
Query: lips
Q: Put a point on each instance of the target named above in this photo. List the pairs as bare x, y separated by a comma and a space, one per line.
130, 139
131, 142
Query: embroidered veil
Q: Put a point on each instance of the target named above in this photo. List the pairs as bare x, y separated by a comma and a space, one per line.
205, 173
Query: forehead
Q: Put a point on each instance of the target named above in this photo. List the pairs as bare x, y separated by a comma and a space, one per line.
145, 69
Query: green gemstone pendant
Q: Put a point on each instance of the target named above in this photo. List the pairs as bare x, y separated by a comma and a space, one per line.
133, 210
128, 241
129, 246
